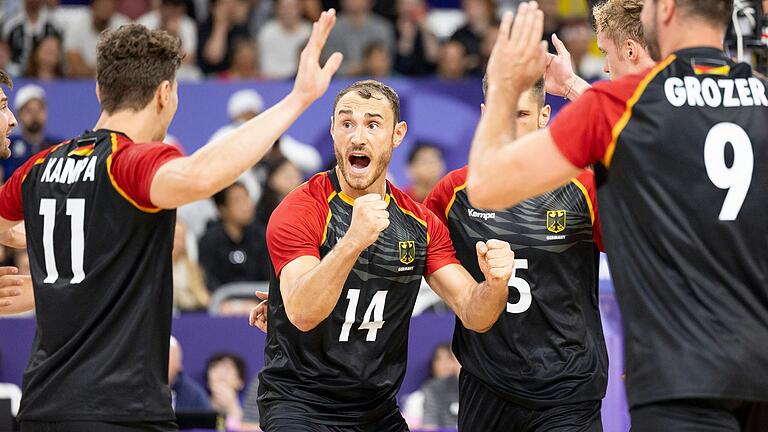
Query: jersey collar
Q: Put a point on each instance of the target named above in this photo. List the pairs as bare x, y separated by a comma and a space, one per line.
334, 178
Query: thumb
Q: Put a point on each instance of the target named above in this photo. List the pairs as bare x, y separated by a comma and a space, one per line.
482, 248
262, 295
333, 64
559, 46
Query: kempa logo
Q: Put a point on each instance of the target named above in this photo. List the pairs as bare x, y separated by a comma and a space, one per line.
476, 214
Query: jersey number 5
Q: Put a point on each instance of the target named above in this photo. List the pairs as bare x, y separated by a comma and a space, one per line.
76, 211
523, 287
373, 319
738, 176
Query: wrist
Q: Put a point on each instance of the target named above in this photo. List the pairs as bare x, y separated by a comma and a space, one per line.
576, 87
297, 100
350, 245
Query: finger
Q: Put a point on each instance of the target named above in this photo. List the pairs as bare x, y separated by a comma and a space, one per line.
8, 270
321, 29
517, 29
497, 244
526, 30
505, 28
559, 46
10, 281
333, 64
261, 324
482, 248
369, 198
382, 224
9, 292
252, 317
380, 214
5, 303
499, 253
537, 29
262, 295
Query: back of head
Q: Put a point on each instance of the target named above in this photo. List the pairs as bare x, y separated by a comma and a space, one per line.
132, 62
715, 12
619, 20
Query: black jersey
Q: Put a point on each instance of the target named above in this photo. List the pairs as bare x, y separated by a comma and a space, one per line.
548, 347
101, 269
348, 369
683, 193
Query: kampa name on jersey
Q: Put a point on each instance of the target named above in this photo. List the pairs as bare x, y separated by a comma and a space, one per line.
480, 215
721, 92
69, 170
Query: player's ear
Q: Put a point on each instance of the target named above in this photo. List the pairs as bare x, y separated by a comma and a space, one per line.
667, 9
632, 49
482, 109
98, 95
399, 133
544, 114
331, 130
164, 91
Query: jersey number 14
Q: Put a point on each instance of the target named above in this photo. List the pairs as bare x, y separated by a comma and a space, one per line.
373, 320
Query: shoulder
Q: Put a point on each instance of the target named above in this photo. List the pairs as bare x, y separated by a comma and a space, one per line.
413, 208
455, 178
308, 200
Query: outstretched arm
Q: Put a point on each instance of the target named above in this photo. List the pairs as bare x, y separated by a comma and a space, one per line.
219, 163
503, 171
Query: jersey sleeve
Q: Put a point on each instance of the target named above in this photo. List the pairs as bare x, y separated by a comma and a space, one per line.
11, 205
296, 228
583, 130
439, 198
134, 166
440, 251
587, 178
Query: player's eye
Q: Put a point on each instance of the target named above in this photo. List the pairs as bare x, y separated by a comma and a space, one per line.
373, 125
347, 124
521, 114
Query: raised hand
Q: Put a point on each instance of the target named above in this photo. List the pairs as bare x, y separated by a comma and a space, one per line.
519, 56
496, 261
311, 79
369, 218
559, 74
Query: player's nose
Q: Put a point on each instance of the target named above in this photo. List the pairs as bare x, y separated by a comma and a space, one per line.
358, 137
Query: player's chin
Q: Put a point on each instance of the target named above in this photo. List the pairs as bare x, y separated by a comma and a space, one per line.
5, 150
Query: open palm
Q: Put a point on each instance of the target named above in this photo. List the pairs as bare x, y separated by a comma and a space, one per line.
312, 80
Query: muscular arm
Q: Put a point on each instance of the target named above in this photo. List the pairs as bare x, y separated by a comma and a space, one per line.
477, 305
311, 287
219, 163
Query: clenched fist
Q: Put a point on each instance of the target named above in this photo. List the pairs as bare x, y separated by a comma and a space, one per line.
369, 218
496, 261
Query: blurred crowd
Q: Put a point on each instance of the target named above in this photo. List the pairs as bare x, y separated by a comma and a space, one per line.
262, 39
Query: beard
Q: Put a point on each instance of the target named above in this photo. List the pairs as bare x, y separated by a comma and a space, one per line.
34, 127
377, 170
5, 151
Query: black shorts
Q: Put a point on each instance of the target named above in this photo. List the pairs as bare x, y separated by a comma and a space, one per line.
393, 423
481, 410
700, 415
79, 426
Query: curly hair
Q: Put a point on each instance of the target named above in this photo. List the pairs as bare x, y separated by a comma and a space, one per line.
131, 62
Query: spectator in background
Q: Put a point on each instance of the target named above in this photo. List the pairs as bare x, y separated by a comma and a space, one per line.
485, 50
245, 61
441, 393
189, 291
5, 60
227, 23
229, 249
225, 373
356, 28
481, 17
82, 35
577, 35
23, 31
417, 47
377, 61
134, 9
453, 63
32, 113
282, 176
281, 39
46, 63
426, 167
187, 395
172, 17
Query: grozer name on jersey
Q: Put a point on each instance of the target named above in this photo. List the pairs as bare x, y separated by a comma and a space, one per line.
67, 170
476, 214
715, 92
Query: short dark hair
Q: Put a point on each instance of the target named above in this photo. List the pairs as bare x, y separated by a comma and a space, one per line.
537, 91
419, 147
220, 197
236, 359
131, 62
713, 11
373, 47
368, 89
5, 79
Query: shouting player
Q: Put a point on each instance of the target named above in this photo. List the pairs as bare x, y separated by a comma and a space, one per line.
552, 309
348, 252
682, 154
99, 216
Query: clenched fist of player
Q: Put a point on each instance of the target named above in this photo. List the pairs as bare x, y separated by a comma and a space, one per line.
496, 261
369, 218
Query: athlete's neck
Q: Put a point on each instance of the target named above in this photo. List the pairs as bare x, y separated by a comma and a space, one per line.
706, 35
139, 126
379, 186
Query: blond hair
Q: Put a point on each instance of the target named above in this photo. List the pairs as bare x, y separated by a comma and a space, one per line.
5, 79
619, 20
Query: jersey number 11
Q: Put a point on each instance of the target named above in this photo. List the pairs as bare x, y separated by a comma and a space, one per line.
76, 211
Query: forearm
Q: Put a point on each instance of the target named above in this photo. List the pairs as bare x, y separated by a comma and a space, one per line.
312, 297
495, 130
483, 306
576, 88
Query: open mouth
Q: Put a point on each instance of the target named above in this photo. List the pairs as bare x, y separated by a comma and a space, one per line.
359, 161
